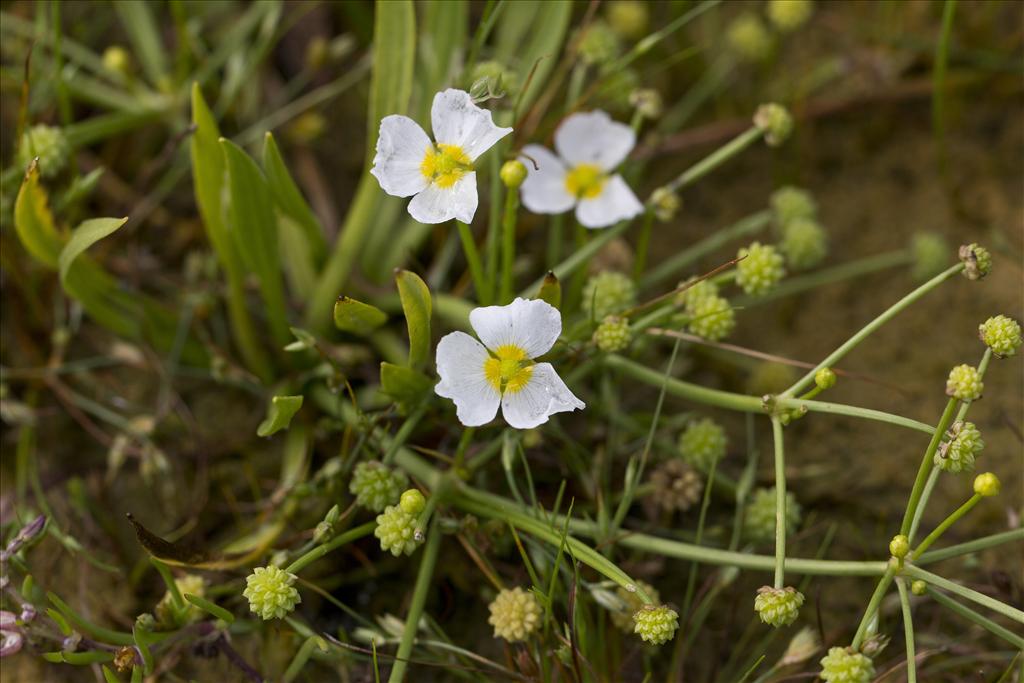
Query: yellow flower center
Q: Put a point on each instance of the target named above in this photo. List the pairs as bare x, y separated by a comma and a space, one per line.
585, 181
509, 370
445, 164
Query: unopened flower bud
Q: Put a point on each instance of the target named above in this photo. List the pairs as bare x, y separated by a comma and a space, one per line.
899, 546
599, 44
977, 261
412, 502
918, 587
49, 145
775, 122
789, 15
749, 39
987, 484
825, 378
666, 204
647, 101
1001, 334
628, 18
117, 59
513, 173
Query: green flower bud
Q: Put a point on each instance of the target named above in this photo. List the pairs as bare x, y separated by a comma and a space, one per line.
172, 616
1001, 334
695, 293
775, 122
623, 618
612, 334
318, 51
656, 625
599, 44
958, 454
841, 665
964, 383
778, 606
145, 622
666, 204
49, 145
271, 592
760, 270
770, 378
918, 587
759, 516
804, 243
412, 502
712, 318
376, 486
977, 261
396, 530
702, 442
676, 486
513, 173
647, 102
825, 378
515, 614
931, 255
987, 484
117, 59
749, 39
899, 546
493, 79
628, 18
789, 15
791, 203
608, 292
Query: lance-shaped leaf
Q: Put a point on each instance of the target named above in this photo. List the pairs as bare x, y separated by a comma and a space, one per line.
356, 317
551, 290
415, 296
85, 235
279, 415
403, 385
290, 200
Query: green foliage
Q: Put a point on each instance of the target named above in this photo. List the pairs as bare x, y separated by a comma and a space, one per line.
279, 415
356, 317
85, 235
415, 297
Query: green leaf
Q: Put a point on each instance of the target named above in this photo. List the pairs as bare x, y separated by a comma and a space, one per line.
551, 290
290, 200
253, 226
404, 385
356, 317
85, 235
303, 340
210, 608
109, 676
141, 28
415, 298
279, 415
394, 55
442, 41
531, 32
34, 222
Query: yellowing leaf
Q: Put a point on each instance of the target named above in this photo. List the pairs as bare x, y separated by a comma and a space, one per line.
356, 317
34, 222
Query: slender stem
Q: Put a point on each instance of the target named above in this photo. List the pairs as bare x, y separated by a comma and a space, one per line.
929, 486
579, 256
335, 543
946, 523
979, 619
691, 581
508, 253
1013, 613
1012, 536
908, 631
876, 600
939, 72
172, 586
853, 411
926, 462
780, 503
555, 240
715, 159
476, 270
851, 343
419, 599
403, 433
643, 243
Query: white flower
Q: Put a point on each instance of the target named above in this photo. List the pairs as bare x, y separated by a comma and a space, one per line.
440, 175
591, 146
478, 377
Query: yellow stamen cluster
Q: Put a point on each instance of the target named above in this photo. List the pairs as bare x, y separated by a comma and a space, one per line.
585, 181
444, 165
509, 370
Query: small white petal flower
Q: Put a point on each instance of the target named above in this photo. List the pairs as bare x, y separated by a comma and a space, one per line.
501, 371
440, 174
590, 146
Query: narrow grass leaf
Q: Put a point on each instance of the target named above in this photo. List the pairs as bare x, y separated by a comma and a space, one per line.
210, 608
141, 28
532, 31
290, 200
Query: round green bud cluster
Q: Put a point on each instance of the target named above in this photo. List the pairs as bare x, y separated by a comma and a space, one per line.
899, 546
804, 243
976, 259
964, 383
825, 378
396, 529
792, 203
702, 442
676, 486
623, 618
778, 606
918, 587
647, 102
376, 486
987, 484
628, 18
513, 173
842, 666
1001, 334
666, 204
749, 38
760, 270
612, 334
271, 592
695, 293
759, 516
789, 15
49, 145
608, 292
931, 255
515, 614
656, 625
599, 44
173, 616
775, 122
958, 454
712, 318
495, 78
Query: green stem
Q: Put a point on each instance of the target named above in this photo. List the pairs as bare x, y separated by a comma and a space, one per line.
100, 633
476, 269
946, 523
419, 599
979, 619
1013, 613
853, 411
833, 358
508, 253
939, 74
579, 256
555, 240
876, 600
691, 582
335, 543
929, 486
1012, 536
172, 586
908, 631
643, 243
780, 503
926, 463
715, 159
403, 433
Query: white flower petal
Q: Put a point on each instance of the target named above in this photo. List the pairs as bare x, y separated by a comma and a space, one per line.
544, 189
457, 121
531, 324
615, 203
593, 138
460, 363
401, 146
544, 395
439, 204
